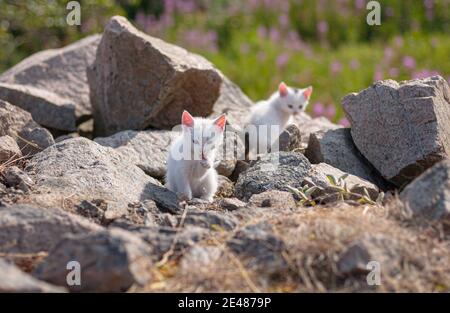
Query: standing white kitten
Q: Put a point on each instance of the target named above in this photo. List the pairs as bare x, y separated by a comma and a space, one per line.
277, 110
190, 164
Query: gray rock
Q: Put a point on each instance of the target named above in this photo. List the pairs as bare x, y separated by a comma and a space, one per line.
15, 177
14, 281
169, 239
241, 166
231, 204
155, 79
60, 71
378, 248
429, 194
290, 139
318, 175
308, 125
199, 257
260, 247
146, 149
226, 187
212, 220
274, 171
401, 128
79, 169
166, 200
19, 124
46, 108
110, 261
31, 229
230, 150
273, 199
8, 149
234, 103
336, 147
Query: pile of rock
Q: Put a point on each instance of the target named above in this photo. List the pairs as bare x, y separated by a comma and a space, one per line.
102, 203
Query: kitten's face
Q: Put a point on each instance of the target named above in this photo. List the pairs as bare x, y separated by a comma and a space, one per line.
293, 100
202, 135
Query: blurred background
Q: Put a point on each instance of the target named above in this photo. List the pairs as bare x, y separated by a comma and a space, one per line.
258, 43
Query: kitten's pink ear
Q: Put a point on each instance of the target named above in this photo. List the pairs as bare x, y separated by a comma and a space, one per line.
221, 121
307, 93
187, 119
282, 89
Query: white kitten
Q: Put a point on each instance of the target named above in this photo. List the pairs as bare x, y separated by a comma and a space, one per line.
277, 110
190, 163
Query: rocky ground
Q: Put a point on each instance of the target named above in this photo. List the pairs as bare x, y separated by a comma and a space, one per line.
84, 132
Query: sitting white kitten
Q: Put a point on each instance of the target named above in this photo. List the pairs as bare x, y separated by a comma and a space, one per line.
277, 110
190, 164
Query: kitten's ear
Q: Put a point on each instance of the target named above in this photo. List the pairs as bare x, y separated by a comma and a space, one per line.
221, 121
307, 92
187, 119
282, 89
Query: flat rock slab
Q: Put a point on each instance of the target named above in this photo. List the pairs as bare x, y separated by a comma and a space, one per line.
31, 229
79, 169
429, 194
139, 81
401, 128
60, 71
15, 281
110, 261
19, 124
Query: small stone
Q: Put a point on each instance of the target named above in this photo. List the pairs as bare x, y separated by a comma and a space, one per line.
231, 204
273, 199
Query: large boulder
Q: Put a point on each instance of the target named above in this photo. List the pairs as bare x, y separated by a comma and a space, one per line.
79, 169
19, 124
14, 281
429, 194
139, 81
146, 149
59, 71
234, 103
46, 108
30, 229
401, 128
110, 261
336, 147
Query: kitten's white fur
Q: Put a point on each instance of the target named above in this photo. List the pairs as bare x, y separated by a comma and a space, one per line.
277, 110
190, 163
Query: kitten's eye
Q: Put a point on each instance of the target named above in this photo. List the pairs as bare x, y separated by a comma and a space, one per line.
290, 106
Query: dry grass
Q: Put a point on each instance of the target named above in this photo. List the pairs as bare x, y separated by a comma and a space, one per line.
418, 260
